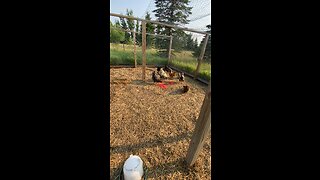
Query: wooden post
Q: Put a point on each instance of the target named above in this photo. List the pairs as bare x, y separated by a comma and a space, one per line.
202, 129
144, 55
203, 49
134, 49
169, 55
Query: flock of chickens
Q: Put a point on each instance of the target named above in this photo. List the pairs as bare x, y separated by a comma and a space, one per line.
167, 73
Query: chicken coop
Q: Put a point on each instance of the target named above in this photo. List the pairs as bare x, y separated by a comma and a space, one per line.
158, 110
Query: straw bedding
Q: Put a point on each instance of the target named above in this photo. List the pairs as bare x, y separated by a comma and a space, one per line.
156, 124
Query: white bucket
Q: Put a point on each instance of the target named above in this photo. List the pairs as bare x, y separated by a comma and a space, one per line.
133, 168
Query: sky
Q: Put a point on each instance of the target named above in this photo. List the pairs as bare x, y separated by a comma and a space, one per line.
139, 8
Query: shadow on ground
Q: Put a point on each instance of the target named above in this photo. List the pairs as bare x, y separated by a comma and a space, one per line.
148, 144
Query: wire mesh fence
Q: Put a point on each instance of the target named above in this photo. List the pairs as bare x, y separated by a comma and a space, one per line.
182, 50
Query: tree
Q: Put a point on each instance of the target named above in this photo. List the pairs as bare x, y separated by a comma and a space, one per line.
124, 26
207, 54
171, 12
116, 35
130, 22
138, 35
149, 29
189, 42
195, 44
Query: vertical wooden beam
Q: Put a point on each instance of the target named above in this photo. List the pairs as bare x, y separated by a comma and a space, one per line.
203, 49
134, 49
202, 129
169, 54
144, 46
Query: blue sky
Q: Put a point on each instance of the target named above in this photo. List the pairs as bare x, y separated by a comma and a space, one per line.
137, 6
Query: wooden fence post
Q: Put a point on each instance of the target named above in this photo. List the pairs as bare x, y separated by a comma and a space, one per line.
134, 49
202, 129
169, 55
144, 55
203, 49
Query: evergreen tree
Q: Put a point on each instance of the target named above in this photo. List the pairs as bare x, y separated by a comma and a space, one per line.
189, 42
117, 24
207, 54
150, 28
125, 26
195, 44
138, 34
171, 12
130, 22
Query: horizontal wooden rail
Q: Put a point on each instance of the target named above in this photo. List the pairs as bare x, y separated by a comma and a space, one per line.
160, 23
128, 30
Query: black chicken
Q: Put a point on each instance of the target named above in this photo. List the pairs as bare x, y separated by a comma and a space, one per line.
155, 77
181, 76
185, 89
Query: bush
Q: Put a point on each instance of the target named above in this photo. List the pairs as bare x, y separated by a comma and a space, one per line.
116, 36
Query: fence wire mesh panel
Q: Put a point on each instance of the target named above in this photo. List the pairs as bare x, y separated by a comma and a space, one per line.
144, 120
122, 42
205, 65
157, 50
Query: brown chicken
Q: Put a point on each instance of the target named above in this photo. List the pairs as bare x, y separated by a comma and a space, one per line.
172, 74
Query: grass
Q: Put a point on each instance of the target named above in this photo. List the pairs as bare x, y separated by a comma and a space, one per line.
183, 60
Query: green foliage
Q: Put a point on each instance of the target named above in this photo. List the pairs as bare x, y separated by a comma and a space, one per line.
150, 28
207, 54
173, 12
124, 26
116, 35
120, 57
138, 36
183, 60
128, 24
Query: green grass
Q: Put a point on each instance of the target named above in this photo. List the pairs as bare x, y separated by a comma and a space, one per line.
181, 60
120, 56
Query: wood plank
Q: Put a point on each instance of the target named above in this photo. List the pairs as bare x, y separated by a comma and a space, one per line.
144, 46
157, 22
134, 49
203, 50
127, 30
169, 54
202, 129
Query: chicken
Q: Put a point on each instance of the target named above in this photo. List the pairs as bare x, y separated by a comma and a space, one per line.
172, 74
155, 77
167, 69
162, 74
185, 89
181, 76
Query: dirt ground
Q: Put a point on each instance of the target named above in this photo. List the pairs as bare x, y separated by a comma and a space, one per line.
155, 124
